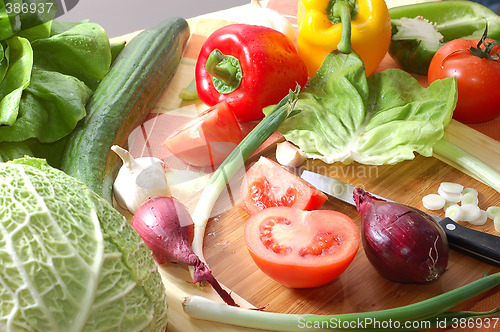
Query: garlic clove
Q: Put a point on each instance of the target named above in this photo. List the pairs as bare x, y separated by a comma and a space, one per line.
288, 154
127, 159
121, 189
138, 180
152, 178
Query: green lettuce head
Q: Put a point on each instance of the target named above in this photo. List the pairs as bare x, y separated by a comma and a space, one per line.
342, 115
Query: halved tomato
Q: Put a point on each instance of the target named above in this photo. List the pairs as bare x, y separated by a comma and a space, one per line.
268, 184
208, 139
302, 249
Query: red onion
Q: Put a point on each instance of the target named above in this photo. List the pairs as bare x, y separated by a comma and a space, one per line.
403, 244
165, 224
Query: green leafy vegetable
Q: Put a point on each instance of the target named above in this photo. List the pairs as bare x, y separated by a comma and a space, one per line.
10, 151
16, 74
20, 15
32, 147
70, 262
50, 108
82, 51
38, 32
344, 116
47, 75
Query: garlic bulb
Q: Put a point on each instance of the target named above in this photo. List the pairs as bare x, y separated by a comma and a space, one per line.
257, 15
138, 180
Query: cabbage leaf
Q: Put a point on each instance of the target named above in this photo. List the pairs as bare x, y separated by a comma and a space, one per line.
69, 261
342, 115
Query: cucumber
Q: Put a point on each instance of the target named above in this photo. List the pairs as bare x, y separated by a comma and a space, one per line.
122, 101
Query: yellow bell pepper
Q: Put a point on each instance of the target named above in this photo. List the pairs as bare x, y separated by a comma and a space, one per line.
318, 36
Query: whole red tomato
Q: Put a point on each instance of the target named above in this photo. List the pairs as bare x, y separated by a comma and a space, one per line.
478, 79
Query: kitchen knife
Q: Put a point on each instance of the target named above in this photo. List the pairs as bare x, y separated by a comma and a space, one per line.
480, 245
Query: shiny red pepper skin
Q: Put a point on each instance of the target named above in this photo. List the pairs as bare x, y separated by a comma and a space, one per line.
270, 66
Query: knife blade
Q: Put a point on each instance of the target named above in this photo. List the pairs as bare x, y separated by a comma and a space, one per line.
480, 245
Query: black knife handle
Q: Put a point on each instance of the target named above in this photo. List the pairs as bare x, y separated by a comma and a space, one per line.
480, 245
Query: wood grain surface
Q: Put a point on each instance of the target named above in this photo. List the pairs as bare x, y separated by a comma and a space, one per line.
360, 288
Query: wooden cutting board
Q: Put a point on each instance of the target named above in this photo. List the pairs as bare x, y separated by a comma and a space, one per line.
360, 288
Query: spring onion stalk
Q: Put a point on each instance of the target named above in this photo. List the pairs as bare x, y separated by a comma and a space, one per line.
233, 163
469, 162
430, 311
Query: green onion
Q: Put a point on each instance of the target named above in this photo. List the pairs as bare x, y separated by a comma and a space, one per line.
234, 162
493, 212
189, 92
430, 311
469, 162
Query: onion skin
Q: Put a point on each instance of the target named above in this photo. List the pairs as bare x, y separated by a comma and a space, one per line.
402, 243
165, 225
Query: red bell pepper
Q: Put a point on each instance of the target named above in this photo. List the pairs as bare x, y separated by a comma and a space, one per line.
248, 66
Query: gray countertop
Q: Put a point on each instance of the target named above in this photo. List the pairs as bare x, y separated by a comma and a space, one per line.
119, 17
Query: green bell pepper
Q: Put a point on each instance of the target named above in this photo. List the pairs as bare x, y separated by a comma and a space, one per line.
419, 30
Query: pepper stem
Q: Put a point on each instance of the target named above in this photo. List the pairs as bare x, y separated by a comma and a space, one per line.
343, 10
224, 69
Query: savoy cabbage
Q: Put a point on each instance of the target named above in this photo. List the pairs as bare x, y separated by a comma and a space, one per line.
68, 260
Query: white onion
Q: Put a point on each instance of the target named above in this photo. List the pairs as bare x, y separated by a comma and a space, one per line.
469, 198
454, 212
493, 212
450, 197
481, 220
433, 202
470, 212
496, 223
451, 188
471, 191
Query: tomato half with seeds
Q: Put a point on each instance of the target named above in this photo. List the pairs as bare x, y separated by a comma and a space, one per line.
302, 249
268, 184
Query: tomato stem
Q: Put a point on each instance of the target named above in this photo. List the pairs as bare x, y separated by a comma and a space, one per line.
483, 49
